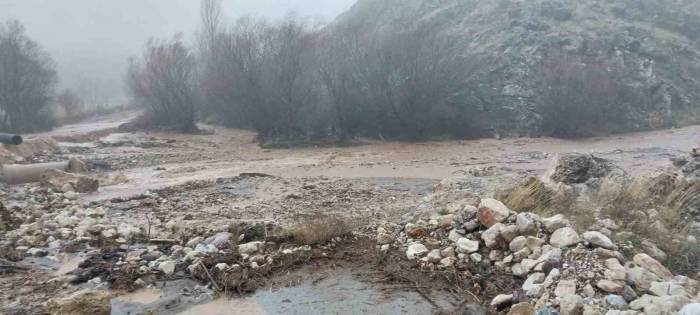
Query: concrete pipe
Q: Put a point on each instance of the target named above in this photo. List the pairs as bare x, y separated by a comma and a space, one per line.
7, 138
23, 174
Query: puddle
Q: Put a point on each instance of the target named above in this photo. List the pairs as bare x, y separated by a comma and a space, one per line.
144, 296
342, 293
248, 306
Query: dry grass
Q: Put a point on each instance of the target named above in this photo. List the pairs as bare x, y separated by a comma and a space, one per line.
318, 230
636, 205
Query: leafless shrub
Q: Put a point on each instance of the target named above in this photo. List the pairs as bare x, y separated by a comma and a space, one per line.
163, 82
71, 103
27, 81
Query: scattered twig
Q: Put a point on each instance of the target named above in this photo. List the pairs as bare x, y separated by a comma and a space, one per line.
216, 286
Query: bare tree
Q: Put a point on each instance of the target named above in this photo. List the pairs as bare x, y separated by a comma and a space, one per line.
27, 81
163, 82
71, 103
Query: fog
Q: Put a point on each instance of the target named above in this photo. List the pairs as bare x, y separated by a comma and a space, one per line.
90, 40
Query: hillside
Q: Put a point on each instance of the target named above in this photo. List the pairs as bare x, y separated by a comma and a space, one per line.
634, 63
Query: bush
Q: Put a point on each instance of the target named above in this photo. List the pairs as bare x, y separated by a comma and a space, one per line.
163, 83
27, 81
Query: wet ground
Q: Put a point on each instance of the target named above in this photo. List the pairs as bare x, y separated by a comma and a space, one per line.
369, 181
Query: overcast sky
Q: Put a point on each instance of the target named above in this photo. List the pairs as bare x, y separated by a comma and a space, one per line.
90, 40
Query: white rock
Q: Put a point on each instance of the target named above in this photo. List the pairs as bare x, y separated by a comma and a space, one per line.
565, 287
554, 223
167, 267
434, 256
599, 240
467, 246
416, 251
517, 244
526, 223
250, 248
564, 237
502, 299
491, 235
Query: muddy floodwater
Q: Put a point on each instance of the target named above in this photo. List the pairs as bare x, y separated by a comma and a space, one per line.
157, 160
337, 292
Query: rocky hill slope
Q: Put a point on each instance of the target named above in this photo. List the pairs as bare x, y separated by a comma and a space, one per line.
644, 55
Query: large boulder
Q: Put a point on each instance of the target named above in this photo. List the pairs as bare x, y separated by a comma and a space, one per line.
65, 181
86, 302
578, 168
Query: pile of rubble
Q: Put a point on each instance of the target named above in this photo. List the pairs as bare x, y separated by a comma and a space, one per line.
561, 271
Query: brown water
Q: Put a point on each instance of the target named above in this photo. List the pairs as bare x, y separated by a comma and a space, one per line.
342, 293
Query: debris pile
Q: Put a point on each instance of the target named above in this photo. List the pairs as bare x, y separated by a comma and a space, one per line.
560, 269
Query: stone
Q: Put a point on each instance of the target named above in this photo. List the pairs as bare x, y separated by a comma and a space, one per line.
79, 183
85, 302
565, 287
655, 252
588, 291
545, 310
615, 271
492, 236
517, 244
598, 239
384, 238
555, 222
448, 262
533, 279
502, 300
476, 257
651, 264
536, 290
434, 256
667, 288
571, 304
522, 309
615, 301
533, 242
167, 267
37, 252
690, 309
253, 247
610, 286
663, 305
448, 252
640, 277
564, 237
416, 251
526, 223
467, 246
454, 236
509, 233
492, 211
518, 270
629, 294
471, 226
